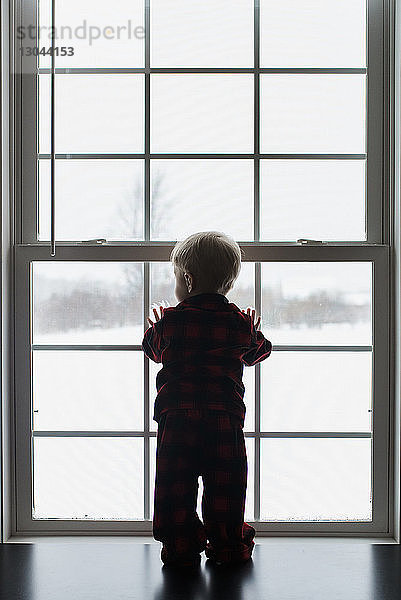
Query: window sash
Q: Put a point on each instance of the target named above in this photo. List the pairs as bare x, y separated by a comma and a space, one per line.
377, 118
378, 255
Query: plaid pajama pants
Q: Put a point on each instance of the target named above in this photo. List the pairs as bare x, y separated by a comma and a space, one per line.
211, 444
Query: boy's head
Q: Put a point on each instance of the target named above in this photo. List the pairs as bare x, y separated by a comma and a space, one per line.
205, 262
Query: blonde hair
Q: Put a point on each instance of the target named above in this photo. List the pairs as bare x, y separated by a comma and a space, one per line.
212, 257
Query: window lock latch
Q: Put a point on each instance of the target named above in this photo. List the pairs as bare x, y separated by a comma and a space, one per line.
307, 242
95, 241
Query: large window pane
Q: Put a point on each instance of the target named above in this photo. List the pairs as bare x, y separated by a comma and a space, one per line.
316, 479
199, 498
313, 33
202, 33
88, 478
309, 113
248, 379
44, 114
316, 199
107, 195
94, 113
102, 34
90, 390
216, 194
152, 474
333, 391
250, 487
87, 302
321, 303
154, 368
203, 113
44, 35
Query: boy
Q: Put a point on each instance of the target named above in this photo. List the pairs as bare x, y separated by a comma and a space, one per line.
203, 343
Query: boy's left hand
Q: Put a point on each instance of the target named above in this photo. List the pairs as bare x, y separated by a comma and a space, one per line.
161, 308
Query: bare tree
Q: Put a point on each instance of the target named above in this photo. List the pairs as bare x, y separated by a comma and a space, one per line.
129, 221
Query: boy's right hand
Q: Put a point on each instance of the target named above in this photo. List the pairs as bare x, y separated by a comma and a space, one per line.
251, 311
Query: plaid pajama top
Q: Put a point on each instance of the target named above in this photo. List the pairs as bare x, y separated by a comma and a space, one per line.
203, 343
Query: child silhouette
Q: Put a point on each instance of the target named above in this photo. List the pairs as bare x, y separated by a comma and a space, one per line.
203, 343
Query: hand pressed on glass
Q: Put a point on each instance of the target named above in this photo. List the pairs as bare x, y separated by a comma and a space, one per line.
155, 307
251, 311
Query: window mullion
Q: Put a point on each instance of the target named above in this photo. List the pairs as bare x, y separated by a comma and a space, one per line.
146, 399
146, 295
147, 121
257, 238
256, 133
26, 146
374, 119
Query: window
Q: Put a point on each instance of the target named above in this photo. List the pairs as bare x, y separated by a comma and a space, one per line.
256, 118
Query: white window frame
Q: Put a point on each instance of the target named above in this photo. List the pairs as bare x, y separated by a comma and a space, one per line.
377, 249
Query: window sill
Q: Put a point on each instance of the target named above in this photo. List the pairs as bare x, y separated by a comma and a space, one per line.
136, 539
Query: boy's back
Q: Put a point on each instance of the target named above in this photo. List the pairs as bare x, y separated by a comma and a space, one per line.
203, 343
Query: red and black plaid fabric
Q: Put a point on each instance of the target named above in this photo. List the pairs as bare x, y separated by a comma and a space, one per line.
191, 443
203, 343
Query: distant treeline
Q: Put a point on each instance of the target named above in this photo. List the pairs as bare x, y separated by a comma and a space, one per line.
86, 309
